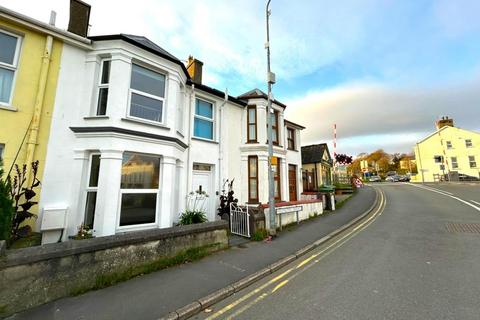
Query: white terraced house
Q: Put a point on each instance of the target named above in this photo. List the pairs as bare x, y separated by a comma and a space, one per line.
134, 132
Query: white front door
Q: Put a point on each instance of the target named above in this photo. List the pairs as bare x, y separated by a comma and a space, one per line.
203, 180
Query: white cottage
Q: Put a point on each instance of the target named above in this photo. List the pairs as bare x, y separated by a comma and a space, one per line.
134, 131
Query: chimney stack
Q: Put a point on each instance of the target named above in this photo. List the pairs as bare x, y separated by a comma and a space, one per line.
443, 122
194, 68
79, 18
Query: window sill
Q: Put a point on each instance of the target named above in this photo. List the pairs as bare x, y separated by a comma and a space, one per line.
205, 140
146, 122
292, 149
251, 142
8, 107
96, 117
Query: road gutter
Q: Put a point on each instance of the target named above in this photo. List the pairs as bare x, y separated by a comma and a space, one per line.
197, 306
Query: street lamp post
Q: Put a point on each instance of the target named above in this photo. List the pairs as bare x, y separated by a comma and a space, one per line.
270, 82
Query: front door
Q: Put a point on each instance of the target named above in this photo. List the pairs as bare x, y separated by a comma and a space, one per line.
292, 182
202, 181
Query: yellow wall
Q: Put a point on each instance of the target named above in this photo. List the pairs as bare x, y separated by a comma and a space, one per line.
426, 150
321, 171
14, 124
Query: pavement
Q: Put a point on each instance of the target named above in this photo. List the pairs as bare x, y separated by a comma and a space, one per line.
417, 258
154, 295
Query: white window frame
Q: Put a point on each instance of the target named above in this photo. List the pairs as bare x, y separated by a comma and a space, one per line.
142, 191
454, 163
472, 160
449, 145
13, 67
468, 144
212, 120
102, 86
88, 188
148, 95
2, 151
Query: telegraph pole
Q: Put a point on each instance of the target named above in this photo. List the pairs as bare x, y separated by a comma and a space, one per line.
270, 82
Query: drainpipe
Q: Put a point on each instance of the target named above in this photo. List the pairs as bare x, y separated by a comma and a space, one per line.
220, 144
190, 126
37, 113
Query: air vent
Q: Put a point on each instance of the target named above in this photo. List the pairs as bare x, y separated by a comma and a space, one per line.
463, 227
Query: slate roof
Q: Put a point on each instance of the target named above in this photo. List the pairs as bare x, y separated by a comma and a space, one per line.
145, 44
257, 93
314, 153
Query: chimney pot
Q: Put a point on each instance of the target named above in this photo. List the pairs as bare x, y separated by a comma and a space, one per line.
79, 18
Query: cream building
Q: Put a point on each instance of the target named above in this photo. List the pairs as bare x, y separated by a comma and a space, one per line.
448, 153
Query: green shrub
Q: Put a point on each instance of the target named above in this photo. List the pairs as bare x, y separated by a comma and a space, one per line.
259, 235
6, 208
192, 217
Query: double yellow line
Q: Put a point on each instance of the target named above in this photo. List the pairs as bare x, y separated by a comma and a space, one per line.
301, 267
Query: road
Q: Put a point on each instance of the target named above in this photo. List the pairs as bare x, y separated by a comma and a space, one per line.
417, 258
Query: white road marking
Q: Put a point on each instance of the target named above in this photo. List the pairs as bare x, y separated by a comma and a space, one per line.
475, 202
446, 194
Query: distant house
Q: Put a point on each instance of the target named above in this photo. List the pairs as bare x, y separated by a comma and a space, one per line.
317, 166
449, 152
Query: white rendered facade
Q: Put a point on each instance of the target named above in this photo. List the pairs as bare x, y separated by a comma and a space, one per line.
123, 161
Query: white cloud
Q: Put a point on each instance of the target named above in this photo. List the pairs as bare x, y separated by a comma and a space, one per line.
370, 116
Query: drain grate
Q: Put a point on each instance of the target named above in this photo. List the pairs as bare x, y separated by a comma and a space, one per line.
463, 227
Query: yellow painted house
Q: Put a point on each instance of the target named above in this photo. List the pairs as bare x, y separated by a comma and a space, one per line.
30, 60
448, 153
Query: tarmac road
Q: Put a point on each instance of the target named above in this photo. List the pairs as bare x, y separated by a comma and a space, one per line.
418, 258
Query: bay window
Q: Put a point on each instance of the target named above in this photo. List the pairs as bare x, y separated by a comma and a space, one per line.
253, 179
92, 189
103, 88
251, 124
274, 126
139, 189
147, 94
203, 120
9, 51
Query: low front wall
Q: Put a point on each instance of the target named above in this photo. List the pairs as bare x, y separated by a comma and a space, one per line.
33, 276
310, 208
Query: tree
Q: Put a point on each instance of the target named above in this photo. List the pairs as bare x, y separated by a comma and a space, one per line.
343, 159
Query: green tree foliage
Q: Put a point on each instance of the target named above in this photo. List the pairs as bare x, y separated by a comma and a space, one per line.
6, 208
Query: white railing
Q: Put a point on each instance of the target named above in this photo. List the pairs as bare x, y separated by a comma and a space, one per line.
239, 220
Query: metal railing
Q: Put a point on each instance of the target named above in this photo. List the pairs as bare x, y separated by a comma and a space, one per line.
239, 220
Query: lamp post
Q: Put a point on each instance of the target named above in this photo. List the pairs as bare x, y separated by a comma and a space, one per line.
270, 82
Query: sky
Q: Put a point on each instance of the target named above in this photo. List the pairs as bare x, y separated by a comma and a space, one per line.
382, 70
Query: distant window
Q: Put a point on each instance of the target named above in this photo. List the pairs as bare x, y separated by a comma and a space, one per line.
92, 188
454, 162
252, 124
438, 159
139, 189
103, 88
147, 94
449, 144
203, 122
468, 143
9, 49
471, 160
291, 138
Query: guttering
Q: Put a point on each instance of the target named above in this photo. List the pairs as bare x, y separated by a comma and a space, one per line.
42, 27
39, 99
220, 144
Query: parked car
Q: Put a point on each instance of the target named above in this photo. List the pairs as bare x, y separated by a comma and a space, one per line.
464, 177
375, 179
393, 178
391, 173
404, 178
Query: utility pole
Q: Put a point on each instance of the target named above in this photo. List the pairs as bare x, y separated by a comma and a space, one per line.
270, 82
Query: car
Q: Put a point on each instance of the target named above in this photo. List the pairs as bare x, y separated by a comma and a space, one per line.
464, 177
393, 178
404, 178
375, 179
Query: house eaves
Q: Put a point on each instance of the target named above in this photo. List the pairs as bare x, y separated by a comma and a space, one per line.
145, 44
293, 124
216, 93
